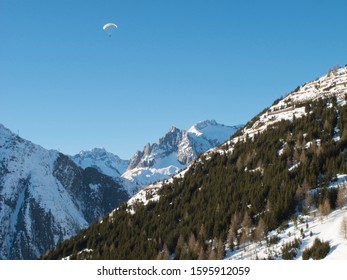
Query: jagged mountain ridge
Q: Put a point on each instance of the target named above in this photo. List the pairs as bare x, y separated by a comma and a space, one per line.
186, 144
176, 150
158, 161
45, 197
266, 172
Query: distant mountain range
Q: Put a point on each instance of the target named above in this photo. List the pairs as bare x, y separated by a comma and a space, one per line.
47, 197
175, 151
158, 161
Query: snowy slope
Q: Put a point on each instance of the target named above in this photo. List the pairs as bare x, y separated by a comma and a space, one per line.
326, 228
175, 150
334, 83
45, 197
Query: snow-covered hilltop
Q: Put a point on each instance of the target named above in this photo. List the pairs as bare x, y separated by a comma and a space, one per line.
334, 83
45, 197
107, 163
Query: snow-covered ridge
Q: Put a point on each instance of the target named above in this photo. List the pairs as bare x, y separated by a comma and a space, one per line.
213, 131
107, 163
334, 83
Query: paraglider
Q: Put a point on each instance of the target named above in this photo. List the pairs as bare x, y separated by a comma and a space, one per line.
109, 28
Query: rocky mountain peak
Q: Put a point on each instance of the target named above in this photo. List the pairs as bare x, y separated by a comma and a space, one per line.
175, 150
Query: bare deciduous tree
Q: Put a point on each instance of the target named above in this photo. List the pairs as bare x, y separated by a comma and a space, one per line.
231, 236
260, 230
341, 197
343, 227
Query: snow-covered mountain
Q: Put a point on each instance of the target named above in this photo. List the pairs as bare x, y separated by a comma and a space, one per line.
306, 227
45, 197
175, 150
104, 161
158, 161
108, 164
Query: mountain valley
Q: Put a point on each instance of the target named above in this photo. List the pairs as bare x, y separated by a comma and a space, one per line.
273, 183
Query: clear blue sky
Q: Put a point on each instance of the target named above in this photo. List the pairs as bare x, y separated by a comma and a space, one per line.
64, 84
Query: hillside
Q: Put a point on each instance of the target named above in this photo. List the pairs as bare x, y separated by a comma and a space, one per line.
281, 167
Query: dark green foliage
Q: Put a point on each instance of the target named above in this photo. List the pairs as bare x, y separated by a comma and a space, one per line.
290, 249
326, 193
283, 227
318, 251
273, 240
194, 212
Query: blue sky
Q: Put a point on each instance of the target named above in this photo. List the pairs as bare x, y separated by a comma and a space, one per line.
64, 84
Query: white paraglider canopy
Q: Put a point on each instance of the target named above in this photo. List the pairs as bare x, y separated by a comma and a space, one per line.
109, 27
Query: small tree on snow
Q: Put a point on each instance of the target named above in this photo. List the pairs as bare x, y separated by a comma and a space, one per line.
343, 227
260, 230
341, 197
